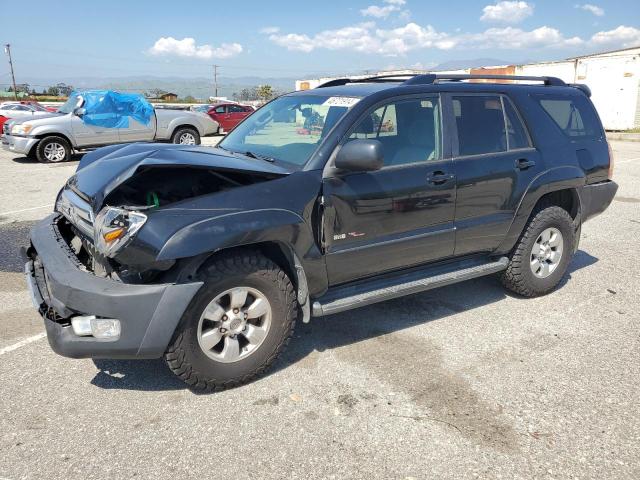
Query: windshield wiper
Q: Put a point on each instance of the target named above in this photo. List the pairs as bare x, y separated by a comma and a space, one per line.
258, 156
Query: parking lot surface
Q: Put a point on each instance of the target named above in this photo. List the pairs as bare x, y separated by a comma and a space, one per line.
461, 382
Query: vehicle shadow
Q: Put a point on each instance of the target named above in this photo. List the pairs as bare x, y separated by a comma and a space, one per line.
75, 158
338, 330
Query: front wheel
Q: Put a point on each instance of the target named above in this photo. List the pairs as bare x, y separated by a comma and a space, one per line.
53, 150
237, 324
186, 136
542, 254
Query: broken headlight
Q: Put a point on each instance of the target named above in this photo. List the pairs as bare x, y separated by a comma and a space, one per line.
114, 227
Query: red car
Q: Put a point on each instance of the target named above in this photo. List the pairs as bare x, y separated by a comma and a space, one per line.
228, 115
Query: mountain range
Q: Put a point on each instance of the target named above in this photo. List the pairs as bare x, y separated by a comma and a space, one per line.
200, 87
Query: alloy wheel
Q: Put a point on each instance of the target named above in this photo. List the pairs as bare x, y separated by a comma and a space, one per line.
234, 324
546, 252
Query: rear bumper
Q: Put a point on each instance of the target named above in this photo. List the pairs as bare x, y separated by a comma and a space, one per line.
21, 145
60, 289
596, 198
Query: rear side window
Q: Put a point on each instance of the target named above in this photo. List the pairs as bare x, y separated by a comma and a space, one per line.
480, 122
573, 115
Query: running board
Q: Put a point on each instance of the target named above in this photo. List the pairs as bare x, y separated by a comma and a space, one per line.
379, 289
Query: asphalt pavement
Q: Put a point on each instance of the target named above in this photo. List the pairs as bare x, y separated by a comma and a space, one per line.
461, 382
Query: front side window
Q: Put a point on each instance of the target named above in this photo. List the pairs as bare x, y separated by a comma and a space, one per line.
290, 128
480, 124
236, 109
409, 130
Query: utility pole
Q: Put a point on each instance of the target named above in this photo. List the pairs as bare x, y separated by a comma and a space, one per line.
7, 50
215, 80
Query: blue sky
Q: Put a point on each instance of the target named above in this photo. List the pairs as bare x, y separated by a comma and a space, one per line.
294, 38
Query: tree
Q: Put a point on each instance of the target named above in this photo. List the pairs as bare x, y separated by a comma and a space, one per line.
64, 89
265, 92
53, 91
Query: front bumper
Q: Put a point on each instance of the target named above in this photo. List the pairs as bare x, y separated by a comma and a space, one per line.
596, 198
60, 289
22, 145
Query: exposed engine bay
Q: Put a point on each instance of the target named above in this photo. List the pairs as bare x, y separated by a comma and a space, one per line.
157, 186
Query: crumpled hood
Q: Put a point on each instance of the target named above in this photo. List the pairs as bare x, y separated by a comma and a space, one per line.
102, 170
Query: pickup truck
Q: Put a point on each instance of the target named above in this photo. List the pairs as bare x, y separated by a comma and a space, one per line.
53, 137
208, 256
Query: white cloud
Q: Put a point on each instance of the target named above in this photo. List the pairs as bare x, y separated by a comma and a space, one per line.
391, 6
187, 48
378, 12
270, 30
622, 36
507, 12
597, 11
367, 38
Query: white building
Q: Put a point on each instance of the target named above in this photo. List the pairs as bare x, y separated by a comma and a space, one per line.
613, 77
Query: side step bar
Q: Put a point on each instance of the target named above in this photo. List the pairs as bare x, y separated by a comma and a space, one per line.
379, 289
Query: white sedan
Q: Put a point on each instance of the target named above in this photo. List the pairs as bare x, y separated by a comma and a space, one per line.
20, 110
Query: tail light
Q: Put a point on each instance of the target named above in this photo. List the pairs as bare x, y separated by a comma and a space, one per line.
611, 162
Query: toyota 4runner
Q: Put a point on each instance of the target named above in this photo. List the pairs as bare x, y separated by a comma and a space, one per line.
321, 201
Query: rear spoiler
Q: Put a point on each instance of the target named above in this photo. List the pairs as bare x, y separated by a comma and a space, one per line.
581, 86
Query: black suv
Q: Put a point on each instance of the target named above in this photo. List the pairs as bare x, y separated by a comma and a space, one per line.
319, 202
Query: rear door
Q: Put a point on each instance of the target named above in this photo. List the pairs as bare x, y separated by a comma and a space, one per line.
138, 132
237, 113
494, 162
398, 216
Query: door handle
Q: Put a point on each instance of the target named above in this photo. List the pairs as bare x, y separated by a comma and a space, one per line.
523, 163
439, 177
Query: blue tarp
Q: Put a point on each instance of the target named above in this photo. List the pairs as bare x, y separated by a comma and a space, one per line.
106, 108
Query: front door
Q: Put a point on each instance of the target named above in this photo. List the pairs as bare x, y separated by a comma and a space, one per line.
221, 115
494, 162
398, 216
87, 135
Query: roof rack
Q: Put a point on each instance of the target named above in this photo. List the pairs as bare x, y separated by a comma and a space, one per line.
431, 78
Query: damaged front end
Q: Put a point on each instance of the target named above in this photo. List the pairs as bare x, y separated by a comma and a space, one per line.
94, 270
100, 228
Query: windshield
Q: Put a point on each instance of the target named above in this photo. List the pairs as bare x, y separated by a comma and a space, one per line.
69, 105
288, 129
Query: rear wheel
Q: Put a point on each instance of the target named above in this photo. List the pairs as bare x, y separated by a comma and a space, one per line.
542, 254
238, 323
186, 136
53, 150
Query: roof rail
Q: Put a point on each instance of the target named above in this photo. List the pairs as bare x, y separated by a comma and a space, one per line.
378, 78
433, 78
430, 78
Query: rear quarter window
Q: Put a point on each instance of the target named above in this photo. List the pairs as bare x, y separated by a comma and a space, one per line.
573, 115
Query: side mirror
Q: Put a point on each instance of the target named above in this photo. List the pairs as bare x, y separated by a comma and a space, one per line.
360, 156
79, 112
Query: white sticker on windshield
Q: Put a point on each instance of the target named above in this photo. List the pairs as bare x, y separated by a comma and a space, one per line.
341, 102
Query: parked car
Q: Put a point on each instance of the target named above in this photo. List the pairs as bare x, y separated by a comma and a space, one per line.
229, 115
38, 105
208, 256
52, 137
21, 110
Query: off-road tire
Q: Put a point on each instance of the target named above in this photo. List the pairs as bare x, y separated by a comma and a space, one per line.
42, 145
518, 277
187, 360
175, 138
